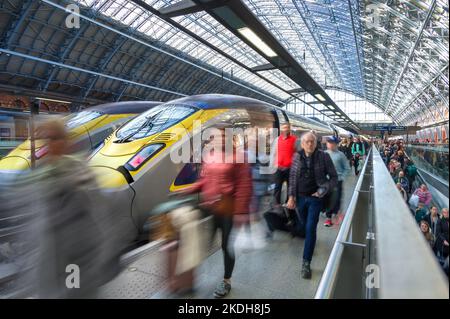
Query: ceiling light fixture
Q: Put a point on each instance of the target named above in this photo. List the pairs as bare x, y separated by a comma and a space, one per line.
51, 100
320, 97
256, 40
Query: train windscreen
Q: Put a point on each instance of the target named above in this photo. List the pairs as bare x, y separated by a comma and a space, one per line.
154, 121
81, 118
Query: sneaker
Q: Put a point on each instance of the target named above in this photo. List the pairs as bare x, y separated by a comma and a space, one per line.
269, 235
306, 270
328, 222
222, 289
339, 218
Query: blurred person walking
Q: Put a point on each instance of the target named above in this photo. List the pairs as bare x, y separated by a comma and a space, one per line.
225, 188
71, 231
342, 167
286, 148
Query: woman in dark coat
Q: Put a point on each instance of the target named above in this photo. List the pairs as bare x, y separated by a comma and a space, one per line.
442, 234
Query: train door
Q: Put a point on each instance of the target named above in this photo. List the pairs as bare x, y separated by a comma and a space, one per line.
281, 117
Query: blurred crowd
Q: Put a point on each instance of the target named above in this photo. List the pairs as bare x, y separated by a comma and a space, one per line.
308, 180
433, 223
67, 232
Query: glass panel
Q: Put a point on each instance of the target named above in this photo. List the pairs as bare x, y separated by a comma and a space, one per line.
81, 118
154, 121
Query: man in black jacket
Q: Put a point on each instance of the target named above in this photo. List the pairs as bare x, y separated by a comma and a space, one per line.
312, 176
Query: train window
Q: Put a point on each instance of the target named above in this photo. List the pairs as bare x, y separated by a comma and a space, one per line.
98, 137
154, 121
5, 132
188, 174
81, 118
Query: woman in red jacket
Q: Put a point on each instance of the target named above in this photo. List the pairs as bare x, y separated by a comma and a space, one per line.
225, 188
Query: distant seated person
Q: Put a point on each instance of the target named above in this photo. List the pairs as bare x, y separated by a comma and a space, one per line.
402, 180
424, 195
402, 191
420, 213
425, 229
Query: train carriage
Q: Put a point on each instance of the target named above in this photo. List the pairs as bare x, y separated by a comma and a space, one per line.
136, 160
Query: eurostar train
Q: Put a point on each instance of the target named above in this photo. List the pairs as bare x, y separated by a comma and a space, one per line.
342, 133
135, 162
87, 129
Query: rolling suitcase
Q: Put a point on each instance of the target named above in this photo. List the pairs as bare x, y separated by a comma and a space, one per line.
286, 221
178, 283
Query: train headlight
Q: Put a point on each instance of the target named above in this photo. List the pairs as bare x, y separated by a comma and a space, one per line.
143, 156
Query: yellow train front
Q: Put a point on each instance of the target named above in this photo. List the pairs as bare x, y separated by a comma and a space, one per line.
135, 162
87, 130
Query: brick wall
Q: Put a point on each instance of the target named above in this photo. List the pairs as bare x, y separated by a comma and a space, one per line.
23, 102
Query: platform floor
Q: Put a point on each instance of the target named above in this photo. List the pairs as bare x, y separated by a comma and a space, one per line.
262, 270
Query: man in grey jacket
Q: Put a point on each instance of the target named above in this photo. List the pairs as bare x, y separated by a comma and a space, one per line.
342, 168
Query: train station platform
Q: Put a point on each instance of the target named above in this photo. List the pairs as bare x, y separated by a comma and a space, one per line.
263, 269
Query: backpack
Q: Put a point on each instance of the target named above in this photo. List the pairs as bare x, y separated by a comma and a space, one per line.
411, 170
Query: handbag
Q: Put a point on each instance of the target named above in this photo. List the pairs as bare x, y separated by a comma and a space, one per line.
414, 201
224, 205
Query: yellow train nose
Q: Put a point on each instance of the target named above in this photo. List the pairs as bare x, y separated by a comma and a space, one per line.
14, 164
109, 178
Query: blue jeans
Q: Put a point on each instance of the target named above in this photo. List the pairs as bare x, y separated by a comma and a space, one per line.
308, 210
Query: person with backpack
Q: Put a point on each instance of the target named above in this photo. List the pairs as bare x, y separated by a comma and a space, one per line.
411, 173
312, 177
358, 151
420, 213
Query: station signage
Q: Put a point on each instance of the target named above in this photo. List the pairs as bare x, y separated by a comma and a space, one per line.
389, 128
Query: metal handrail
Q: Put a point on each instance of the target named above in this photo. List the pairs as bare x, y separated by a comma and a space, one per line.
329, 276
408, 267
